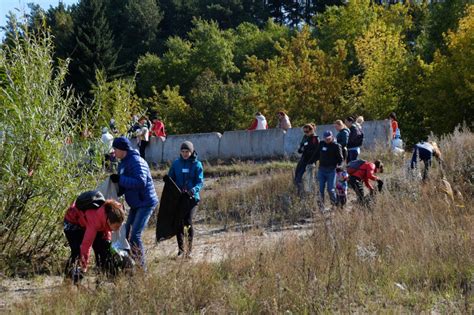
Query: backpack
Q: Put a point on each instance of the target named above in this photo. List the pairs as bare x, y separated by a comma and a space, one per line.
359, 138
354, 166
92, 199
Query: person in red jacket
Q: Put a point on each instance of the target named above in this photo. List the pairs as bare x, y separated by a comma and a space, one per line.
362, 171
158, 129
92, 228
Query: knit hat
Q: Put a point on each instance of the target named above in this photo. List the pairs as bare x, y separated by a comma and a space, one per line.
187, 145
122, 143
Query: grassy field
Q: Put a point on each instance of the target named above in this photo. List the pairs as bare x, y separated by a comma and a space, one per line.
412, 251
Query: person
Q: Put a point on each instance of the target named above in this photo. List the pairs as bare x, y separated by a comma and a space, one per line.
308, 146
359, 121
158, 129
144, 135
356, 138
425, 151
342, 136
341, 186
92, 228
187, 172
135, 182
283, 121
329, 155
107, 139
393, 124
112, 126
363, 171
259, 123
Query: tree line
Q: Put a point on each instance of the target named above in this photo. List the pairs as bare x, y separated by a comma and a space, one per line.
206, 65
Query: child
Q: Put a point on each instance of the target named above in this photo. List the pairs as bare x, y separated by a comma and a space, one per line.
341, 186
92, 228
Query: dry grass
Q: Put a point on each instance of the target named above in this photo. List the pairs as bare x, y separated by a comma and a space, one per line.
412, 253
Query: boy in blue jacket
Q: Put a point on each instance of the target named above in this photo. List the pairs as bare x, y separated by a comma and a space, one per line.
135, 182
188, 174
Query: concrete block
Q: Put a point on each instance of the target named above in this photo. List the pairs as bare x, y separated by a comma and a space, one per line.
154, 151
205, 144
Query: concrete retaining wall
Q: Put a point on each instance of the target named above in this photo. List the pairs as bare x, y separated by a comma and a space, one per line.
206, 145
258, 144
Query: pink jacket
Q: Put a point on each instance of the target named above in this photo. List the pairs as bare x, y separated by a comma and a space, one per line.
92, 221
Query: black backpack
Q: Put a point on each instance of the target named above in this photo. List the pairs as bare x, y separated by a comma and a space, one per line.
92, 199
354, 166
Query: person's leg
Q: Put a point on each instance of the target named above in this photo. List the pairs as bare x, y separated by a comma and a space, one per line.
299, 172
356, 185
188, 225
322, 183
103, 256
74, 239
426, 169
128, 224
141, 219
331, 185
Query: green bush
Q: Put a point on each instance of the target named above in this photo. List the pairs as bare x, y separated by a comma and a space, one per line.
38, 173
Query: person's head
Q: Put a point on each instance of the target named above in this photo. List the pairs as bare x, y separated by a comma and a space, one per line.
114, 213
105, 130
378, 166
392, 116
436, 150
121, 147
360, 120
339, 125
339, 169
281, 114
328, 137
349, 121
187, 149
258, 114
143, 120
308, 129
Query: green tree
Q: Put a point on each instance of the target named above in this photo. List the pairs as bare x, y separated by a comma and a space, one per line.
217, 106
302, 79
94, 46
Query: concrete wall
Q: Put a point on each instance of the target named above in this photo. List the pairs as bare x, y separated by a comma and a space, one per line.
205, 144
258, 144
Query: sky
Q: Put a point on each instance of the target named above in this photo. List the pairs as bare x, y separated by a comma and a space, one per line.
11, 5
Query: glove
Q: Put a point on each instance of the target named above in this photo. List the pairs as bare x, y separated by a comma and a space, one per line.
379, 184
115, 178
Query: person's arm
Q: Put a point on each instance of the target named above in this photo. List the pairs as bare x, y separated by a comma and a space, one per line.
414, 158
172, 172
339, 155
139, 178
316, 155
344, 138
369, 175
200, 178
87, 241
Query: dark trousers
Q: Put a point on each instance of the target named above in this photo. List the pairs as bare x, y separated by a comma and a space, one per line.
426, 168
188, 210
100, 246
356, 184
299, 172
143, 145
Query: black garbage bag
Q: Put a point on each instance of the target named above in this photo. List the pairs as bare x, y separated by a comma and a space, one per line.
168, 214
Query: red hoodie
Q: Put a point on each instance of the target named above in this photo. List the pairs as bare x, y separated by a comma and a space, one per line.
92, 221
158, 129
366, 173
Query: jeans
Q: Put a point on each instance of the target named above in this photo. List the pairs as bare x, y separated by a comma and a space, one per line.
136, 223
299, 172
352, 154
327, 176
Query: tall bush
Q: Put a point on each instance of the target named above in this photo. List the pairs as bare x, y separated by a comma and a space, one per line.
38, 176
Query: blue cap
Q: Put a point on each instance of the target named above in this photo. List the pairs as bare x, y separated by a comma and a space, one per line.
327, 134
122, 143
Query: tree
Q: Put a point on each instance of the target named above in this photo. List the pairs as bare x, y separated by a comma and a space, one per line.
94, 49
61, 24
302, 79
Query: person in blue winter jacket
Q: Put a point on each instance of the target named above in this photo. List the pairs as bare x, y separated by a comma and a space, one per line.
135, 182
188, 174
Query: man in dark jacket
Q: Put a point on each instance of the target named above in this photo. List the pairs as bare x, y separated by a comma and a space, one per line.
329, 155
135, 182
356, 137
308, 146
